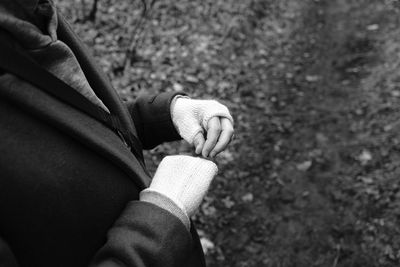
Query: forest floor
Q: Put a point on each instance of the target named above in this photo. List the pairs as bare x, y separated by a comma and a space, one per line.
313, 176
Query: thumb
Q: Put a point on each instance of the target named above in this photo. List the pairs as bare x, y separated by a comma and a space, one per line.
198, 142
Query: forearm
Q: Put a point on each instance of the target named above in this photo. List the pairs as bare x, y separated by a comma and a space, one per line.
152, 117
145, 235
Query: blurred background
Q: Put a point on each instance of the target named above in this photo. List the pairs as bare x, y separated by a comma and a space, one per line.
313, 176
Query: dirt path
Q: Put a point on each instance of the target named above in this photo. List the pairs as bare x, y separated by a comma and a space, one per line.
321, 165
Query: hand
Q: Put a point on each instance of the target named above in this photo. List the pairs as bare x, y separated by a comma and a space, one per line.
192, 118
184, 180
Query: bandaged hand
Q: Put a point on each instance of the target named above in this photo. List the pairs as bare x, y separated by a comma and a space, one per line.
184, 180
205, 124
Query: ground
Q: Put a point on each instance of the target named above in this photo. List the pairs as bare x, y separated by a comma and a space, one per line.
313, 175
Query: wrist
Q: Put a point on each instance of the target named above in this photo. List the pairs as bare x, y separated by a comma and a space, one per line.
172, 108
166, 203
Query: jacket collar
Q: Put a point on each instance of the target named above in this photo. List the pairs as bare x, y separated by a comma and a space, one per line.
96, 78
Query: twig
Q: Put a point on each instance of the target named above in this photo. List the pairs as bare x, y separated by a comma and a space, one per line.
335, 262
93, 11
136, 32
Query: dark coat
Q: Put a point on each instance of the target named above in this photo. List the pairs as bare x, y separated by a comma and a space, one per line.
69, 186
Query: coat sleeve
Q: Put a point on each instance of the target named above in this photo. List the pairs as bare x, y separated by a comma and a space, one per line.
7, 258
152, 117
143, 236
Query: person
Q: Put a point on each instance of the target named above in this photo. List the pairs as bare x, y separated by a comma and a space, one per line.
72, 191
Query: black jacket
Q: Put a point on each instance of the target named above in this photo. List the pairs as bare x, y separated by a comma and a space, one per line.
69, 186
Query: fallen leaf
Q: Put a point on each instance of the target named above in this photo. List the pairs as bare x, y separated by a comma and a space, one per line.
304, 166
228, 203
365, 157
395, 93
177, 87
248, 197
206, 244
312, 78
372, 27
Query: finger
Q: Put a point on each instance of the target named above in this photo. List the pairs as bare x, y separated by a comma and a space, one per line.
213, 131
224, 138
198, 142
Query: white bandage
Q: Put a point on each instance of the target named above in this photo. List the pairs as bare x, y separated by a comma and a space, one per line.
191, 117
184, 179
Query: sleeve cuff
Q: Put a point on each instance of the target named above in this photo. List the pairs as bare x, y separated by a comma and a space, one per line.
152, 117
166, 203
